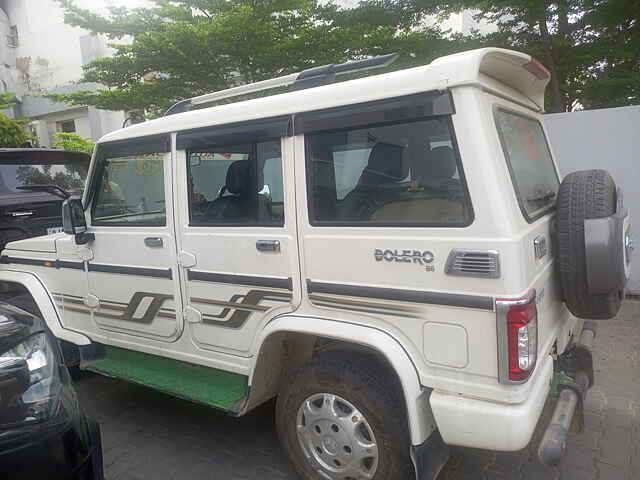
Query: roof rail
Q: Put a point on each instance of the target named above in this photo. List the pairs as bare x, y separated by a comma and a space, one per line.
309, 78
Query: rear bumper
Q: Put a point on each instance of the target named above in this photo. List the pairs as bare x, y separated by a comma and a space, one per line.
470, 422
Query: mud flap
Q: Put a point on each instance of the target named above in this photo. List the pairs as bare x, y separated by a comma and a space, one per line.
430, 457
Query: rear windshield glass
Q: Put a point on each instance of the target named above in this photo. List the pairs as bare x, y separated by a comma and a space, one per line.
532, 171
69, 177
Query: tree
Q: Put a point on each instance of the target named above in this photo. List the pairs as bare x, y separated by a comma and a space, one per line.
182, 48
73, 142
591, 47
12, 133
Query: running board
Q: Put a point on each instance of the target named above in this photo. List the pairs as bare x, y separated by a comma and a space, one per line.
208, 386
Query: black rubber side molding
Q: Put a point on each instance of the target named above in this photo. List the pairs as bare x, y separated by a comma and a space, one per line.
584, 195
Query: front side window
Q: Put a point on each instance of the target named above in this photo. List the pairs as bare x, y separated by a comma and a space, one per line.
131, 191
532, 170
405, 174
236, 185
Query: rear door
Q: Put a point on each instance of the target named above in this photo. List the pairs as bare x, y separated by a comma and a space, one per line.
535, 182
238, 247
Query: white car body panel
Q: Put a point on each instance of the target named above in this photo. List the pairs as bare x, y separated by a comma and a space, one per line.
444, 354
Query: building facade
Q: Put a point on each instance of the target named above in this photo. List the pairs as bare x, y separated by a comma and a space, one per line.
39, 54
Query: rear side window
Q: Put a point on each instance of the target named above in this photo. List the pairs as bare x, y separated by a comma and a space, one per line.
236, 185
403, 174
532, 171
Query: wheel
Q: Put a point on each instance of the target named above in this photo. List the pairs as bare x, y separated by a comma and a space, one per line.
583, 195
97, 467
338, 419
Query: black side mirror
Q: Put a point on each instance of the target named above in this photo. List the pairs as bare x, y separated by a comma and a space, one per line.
73, 221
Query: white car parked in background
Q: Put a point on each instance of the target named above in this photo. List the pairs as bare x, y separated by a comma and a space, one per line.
393, 257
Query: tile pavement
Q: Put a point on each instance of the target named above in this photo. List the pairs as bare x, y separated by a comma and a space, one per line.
148, 435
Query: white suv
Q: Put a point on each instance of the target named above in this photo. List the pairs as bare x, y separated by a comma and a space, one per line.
393, 257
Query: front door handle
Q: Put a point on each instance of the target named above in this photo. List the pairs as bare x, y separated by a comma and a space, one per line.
272, 246
153, 242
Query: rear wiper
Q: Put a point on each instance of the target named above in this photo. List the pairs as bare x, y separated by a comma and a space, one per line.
52, 189
542, 196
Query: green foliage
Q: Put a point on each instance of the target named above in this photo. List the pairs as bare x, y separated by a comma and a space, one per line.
7, 100
12, 133
73, 142
591, 47
184, 48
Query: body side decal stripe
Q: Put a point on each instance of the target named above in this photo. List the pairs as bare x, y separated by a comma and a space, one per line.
414, 296
269, 282
126, 270
6, 259
93, 267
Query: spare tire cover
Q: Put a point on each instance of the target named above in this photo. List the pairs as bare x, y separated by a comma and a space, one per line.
585, 195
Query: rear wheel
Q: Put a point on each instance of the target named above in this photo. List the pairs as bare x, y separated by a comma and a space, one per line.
340, 420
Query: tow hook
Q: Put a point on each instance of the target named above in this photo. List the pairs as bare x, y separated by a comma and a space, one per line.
576, 377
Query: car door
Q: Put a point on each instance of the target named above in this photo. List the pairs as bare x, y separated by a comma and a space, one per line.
237, 241
132, 274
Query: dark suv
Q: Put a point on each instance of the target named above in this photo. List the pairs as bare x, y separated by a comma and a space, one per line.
33, 184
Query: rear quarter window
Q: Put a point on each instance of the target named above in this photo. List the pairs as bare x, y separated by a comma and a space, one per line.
533, 173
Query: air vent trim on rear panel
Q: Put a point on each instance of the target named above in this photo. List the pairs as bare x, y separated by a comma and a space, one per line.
473, 263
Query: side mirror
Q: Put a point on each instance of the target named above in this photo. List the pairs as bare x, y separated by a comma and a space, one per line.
73, 221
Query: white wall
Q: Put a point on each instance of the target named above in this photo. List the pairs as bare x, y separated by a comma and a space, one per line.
51, 53
608, 139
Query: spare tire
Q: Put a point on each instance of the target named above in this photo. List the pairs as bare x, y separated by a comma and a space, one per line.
584, 195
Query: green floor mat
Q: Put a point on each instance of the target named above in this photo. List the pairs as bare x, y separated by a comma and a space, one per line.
194, 382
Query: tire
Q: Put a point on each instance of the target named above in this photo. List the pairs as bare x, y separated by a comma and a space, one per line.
97, 462
583, 195
356, 381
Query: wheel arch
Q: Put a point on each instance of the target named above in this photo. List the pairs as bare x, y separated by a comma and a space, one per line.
41, 296
275, 343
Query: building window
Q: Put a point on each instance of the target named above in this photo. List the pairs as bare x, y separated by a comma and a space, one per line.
67, 126
12, 37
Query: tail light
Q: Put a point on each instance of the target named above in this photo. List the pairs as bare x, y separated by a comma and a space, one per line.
517, 327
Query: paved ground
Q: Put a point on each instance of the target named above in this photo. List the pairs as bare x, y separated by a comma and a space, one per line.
152, 436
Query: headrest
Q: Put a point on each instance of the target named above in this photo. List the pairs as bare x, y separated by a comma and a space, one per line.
238, 177
437, 168
384, 165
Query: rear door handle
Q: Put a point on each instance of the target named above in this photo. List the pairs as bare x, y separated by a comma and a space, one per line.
153, 242
272, 246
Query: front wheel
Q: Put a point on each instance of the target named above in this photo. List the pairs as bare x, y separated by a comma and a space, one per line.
341, 419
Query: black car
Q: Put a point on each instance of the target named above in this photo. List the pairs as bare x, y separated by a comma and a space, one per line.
33, 184
43, 431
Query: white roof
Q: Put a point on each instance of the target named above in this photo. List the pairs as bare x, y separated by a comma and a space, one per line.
489, 68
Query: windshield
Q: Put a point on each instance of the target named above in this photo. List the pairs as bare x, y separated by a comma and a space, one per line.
532, 170
69, 177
